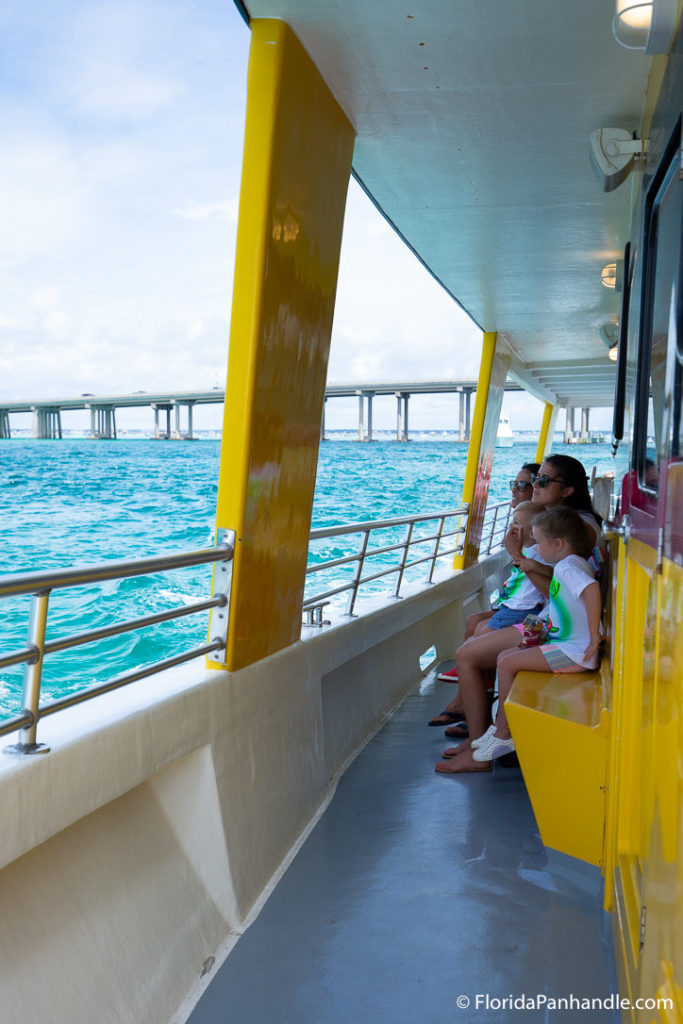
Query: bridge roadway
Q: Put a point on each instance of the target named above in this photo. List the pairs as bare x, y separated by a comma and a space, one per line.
47, 413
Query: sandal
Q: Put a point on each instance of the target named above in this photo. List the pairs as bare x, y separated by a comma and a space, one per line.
458, 768
458, 732
446, 717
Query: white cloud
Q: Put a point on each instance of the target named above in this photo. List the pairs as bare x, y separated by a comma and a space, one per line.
223, 210
58, 325
119, 185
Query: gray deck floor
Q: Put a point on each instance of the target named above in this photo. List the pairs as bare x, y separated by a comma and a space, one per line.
415, 889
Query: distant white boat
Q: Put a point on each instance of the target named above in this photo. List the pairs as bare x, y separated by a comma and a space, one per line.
504, 438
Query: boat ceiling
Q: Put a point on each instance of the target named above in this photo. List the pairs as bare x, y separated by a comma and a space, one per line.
472, 122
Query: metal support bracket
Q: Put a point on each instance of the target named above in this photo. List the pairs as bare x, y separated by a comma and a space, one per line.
26, 748
222, 583
314, 615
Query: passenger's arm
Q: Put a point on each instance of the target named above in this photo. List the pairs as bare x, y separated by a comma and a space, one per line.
592, 600
512, 542
538, 573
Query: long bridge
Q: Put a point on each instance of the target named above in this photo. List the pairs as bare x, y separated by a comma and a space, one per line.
47, 413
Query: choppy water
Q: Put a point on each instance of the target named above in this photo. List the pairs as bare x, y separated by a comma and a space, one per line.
81, 502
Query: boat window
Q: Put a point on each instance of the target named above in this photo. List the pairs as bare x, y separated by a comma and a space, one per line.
657, 437
677, 425
622, 354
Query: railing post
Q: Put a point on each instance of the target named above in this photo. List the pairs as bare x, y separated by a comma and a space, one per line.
359, 572
437, 542
33, 672
406, 548
493, 528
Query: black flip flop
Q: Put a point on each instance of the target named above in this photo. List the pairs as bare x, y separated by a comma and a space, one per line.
452, 716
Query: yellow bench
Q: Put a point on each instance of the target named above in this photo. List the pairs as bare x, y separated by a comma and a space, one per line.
560, 725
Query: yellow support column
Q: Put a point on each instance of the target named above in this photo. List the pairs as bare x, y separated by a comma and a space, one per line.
545, 438
494, 366
297, 160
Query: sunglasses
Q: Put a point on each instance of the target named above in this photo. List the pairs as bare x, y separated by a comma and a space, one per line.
519, 485
543, 481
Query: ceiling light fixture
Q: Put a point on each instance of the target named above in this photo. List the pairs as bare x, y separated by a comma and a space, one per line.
645, 24
612, 275
608, 275
613, 153
609, 333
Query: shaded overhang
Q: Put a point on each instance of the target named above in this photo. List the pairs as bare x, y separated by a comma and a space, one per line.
472, 122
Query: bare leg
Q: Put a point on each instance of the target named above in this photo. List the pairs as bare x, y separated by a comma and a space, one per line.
530, 659
473, 658
474, 621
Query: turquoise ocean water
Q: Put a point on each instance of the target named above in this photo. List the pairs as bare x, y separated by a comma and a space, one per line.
79, 502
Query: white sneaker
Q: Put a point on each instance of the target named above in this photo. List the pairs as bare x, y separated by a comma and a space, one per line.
493, 748
475, 744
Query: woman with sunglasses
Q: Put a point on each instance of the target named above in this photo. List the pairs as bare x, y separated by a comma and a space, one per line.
561, 480
520, 487
521, 490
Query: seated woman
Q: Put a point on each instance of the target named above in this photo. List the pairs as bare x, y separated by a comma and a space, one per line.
521, 491
561, 481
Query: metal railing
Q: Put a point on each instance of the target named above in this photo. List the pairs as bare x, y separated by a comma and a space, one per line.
495, 527
392, 557
451, 523
496, 524
40, 585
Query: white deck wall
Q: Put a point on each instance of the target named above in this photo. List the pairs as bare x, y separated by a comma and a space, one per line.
145, 841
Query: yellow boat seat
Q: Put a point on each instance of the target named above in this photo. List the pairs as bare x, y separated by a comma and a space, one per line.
560, 725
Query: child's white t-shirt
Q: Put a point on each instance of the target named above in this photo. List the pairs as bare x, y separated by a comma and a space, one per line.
518, 591
567, 615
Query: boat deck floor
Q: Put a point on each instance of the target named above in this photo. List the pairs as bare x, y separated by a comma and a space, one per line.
415, 893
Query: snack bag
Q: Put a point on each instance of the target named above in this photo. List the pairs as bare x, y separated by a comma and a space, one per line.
534, 631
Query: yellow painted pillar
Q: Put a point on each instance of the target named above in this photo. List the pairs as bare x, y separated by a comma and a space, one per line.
545, 438
297, 160
487, 406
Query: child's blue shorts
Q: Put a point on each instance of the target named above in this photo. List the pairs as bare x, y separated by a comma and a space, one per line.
511, 616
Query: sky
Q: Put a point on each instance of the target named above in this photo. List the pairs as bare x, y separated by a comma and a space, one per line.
122, 126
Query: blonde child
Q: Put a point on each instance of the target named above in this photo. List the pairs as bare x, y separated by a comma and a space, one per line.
573, 619
524, 593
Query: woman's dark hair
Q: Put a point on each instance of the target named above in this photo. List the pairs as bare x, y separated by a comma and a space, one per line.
562, 522
574, 475
532, 467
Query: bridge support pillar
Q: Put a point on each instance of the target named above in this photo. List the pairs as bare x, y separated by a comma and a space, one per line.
464, 419
369, 395
402, 415
585, 415
163, 407
5, 431
362, 434
47, 423
103, 422
322, 422
178, 434
406, 397
569, 426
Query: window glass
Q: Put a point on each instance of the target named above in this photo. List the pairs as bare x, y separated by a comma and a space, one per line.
677, 427
664, 251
